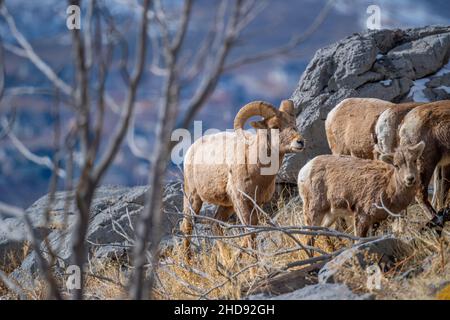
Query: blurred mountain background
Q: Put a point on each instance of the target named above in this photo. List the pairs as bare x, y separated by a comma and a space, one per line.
44, 25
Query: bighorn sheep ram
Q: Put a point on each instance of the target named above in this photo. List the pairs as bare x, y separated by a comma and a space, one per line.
430, 123
224, 169
343, 186
365, 127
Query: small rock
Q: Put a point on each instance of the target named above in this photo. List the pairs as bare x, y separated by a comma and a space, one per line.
324, 291
387, 250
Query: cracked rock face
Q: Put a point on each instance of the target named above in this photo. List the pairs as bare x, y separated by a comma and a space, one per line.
114, 215
393, 65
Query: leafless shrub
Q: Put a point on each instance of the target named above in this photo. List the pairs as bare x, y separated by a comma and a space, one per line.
88, 100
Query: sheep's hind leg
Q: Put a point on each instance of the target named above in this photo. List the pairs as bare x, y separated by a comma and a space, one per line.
446, 185
422, 193
440, 186
314, 218
191, 207
327, 222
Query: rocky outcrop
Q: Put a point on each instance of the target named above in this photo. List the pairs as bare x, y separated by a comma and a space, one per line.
394, 65
113, 218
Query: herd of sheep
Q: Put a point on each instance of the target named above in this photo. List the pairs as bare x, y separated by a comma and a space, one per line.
384, 156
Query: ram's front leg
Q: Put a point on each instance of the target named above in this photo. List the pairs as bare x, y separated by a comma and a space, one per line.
248, 215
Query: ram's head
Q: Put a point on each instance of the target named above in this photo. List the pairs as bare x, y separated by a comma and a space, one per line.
282, 119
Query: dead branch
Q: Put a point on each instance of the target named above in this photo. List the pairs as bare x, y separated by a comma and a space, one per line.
205, 294
31, 54
28, 154
287, 48
383, 207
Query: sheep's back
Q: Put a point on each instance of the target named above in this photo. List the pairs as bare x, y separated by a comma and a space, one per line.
348, 180
351, 126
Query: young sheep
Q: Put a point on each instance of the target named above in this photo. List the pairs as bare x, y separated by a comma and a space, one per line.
342, 186
430, 123
221, 169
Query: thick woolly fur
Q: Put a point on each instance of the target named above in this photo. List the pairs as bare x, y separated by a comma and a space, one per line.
430, 123
343, 186
356, 125
350, 126
388, 124
224, 169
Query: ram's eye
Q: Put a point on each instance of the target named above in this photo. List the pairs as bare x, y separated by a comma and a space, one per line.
396, 166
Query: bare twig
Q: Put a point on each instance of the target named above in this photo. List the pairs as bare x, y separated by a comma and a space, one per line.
28, 154
285, 49
383, 207
42, 261
31, 54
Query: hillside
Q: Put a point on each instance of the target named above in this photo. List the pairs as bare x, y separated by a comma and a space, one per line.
405, 259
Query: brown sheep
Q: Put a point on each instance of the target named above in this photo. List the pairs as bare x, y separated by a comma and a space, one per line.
221, 169
364, 127
388, 124
350, 126
430, 123
333, 187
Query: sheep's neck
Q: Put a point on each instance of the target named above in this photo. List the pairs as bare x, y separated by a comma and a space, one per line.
265, 149
397, 195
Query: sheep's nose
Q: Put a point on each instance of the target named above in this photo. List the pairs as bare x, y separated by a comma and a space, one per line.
410, 179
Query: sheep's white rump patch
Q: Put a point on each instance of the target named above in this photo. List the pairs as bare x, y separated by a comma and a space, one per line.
305, 172
385, 131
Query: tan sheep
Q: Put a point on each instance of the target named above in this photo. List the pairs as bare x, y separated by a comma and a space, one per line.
364, 127
224, 169
350, 126
430, 123
333, 187
388, 124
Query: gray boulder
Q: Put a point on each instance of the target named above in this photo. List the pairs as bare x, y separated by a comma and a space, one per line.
114, 215
394, 65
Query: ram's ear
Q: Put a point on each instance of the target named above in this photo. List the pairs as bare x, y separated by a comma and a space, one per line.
387, 157
258, 124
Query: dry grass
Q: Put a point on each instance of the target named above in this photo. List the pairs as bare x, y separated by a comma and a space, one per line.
421, 274
222, 268
215, 271
11, 261
106, 281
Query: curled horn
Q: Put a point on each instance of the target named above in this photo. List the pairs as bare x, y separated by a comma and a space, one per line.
255, 108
